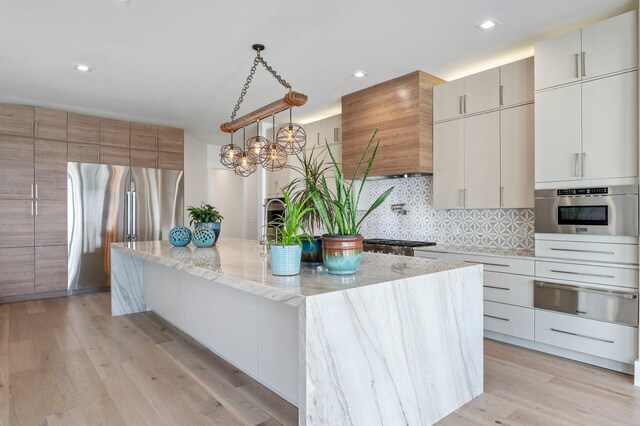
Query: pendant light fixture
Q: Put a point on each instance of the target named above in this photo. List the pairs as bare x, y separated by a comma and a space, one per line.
290, 138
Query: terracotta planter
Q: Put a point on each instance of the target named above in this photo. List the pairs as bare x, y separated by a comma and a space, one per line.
342, 254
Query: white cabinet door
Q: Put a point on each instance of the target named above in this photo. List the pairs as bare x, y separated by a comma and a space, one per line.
482, 161
558, 134
516, 81
610, 45
448, 165
331, 130
557, 60
482, 91
609, 127
447, 100
516, 156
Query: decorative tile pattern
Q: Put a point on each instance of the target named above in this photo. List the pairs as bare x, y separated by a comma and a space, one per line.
508, 229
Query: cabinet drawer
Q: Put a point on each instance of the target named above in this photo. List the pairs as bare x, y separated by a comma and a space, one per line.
508, 288
507, 319
621, 277
606, 340
588, 251
497, 264
430, 255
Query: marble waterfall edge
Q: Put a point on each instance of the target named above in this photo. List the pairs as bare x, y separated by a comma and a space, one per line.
127, 285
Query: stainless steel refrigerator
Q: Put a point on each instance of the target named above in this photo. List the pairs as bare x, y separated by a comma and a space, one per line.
109, 204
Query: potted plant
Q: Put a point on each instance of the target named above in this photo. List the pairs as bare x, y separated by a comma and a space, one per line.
342, 245
206, 215
286, 251
311, 170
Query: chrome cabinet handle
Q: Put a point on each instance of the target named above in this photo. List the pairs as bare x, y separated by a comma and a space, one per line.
36, 207
501, 95
577, 56
128, 215
465, 104
581, 335
576, 161
318, 139
502, 196
582, 251
576, 288
31, 207
583, 158
134, 235
32, 191
496, 288
495, 317
460, 104
486, 263
583, 63
557, 271
36, 190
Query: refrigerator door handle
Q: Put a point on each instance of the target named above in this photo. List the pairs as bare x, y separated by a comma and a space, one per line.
134, 230
129, 215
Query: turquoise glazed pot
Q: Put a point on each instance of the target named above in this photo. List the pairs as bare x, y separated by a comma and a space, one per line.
214, 226
312, 250
179, 236
342, 254
285, 260
203, 237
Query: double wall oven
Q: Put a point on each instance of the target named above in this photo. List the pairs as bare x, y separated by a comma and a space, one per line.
582, 226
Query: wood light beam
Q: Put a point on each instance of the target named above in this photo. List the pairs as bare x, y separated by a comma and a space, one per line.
291, 99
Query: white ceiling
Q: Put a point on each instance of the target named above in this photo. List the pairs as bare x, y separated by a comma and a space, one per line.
183, 63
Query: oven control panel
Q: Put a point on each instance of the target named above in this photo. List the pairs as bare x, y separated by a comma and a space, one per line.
583, 191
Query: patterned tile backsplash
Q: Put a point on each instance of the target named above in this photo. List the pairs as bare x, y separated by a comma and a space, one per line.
509, 229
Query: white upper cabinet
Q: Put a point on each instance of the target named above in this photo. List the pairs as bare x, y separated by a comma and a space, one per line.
610, 46
516, 82
603, 48
448, 165
447, 100
482, 91
558, 134
558, 60
516, 152
482, 161
609, 129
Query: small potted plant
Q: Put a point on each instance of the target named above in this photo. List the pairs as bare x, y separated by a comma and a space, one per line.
311, 170
342, 245
206, 215
286, 251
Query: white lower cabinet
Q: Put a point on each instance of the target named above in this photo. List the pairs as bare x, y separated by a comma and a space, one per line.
508, 288
508, 319
587, 251
606, 340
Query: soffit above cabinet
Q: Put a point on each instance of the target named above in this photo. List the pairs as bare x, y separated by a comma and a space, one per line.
402, 111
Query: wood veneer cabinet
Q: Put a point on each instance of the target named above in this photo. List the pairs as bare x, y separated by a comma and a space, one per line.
170, 139
17, 268
115, 133
50, 124
144, 158
84, 129
16, 120
16, 167
144, 136
402, 109
83, 153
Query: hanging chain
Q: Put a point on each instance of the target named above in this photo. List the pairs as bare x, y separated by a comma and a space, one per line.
256, 61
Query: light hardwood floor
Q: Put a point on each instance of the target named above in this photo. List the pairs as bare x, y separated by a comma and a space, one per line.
67, 361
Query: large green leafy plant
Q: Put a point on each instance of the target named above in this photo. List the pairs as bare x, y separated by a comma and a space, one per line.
339, 210
311, 169
204, 213
288, 227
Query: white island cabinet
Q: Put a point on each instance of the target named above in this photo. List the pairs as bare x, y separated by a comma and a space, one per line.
400, 342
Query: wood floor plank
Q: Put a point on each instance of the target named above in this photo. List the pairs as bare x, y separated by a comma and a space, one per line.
68, 418
59, 396
22, 356
131, 402
5, 395
35, 306
281, 410
18, 322
4, 329
27, 406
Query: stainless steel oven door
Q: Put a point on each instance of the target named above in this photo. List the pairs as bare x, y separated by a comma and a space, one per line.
615, 214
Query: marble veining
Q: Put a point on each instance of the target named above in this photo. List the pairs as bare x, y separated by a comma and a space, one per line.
241, 264
127, 295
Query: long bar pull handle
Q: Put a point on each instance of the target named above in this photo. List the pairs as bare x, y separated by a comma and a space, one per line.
134, 235
502, 196
557, 271
576, 163
36, 207
581, 335
583, 63
496, 288
128, 215
501, 95
465, 104
498, 318
460, 105
584, 158
577, 56
582, 251
32, 191
36, 190
487, 263
567, 287
31, 207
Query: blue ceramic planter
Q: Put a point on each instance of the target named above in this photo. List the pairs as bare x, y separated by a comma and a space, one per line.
285, 260
214, 226
312, 251
179, 236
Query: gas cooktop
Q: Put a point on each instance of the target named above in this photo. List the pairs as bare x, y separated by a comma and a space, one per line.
400, 247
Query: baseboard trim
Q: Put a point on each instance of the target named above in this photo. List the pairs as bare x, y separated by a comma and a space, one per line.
32, 296
566, 353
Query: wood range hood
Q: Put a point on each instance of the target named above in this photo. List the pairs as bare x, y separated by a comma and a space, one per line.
402, 110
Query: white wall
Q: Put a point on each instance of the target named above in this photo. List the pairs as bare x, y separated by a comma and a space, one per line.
195, 172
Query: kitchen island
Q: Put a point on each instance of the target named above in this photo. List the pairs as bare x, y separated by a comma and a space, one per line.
400, 342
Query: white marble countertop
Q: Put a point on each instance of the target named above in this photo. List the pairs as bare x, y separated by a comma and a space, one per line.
241, 264
517, 254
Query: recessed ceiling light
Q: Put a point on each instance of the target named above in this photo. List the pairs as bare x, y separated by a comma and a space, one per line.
359, 74
83, 68
487, 25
